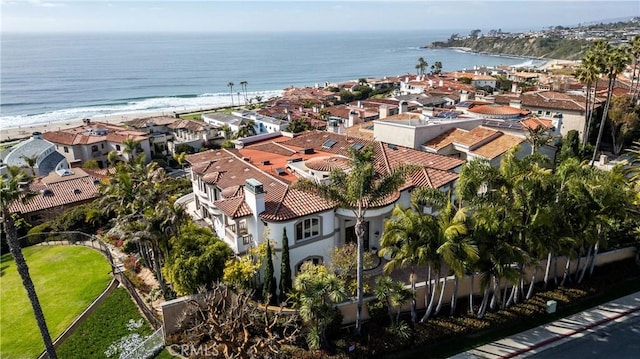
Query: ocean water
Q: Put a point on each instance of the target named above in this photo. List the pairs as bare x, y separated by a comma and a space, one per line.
47, 78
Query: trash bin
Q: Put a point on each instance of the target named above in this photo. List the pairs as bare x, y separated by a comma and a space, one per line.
551, 306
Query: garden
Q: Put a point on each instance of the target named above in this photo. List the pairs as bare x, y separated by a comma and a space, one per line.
67, 280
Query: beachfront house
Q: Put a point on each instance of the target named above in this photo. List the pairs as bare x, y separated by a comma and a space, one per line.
236, 119
244, 193
36, 156
94, 141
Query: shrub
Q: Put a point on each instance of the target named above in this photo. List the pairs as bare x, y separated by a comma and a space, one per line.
131, 264
137, 282
129, 247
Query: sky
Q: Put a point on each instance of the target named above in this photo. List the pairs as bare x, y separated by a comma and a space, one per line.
232, 16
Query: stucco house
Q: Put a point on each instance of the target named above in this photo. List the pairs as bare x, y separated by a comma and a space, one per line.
94, 141
241, 193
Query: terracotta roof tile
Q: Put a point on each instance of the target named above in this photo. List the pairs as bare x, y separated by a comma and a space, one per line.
234, 207
227, 170
498, 146
60, 193
497, 110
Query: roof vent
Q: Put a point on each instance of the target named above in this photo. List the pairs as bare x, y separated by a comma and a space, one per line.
77, 191
280, 171
266, 162
294, 160
46, 192
96, 181
307, 151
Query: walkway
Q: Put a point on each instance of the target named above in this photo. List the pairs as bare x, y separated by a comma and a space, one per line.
555, 333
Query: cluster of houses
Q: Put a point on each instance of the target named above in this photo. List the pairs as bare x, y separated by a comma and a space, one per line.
436, 122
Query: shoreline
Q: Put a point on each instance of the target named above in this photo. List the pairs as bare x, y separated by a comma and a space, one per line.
469, 50
10, 134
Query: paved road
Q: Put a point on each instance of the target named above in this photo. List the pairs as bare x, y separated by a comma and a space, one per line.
598, 325
619, 340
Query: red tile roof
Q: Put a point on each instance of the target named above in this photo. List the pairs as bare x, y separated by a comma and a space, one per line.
59, 192
229, 169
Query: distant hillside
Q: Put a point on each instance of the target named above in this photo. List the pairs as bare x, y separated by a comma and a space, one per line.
553, 47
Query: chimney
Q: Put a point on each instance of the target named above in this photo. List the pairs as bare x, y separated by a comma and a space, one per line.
515, 104
440, 83
403, 107
289, 116
37, 135
427, 111
464, 96
383, 111
254, 197
354, 118
514, 87
359, 104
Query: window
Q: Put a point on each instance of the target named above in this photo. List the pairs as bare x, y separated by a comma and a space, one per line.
102, 145
66, 149
117, 147
315, 260
94, 148
307, 228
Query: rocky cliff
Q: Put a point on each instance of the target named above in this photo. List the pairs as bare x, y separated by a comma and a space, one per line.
547, 47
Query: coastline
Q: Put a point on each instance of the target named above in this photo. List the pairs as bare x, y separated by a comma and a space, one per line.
10, 134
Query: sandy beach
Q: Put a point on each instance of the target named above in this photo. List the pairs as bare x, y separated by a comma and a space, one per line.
21, 132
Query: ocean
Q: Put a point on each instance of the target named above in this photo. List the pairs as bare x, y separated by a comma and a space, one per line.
48, 78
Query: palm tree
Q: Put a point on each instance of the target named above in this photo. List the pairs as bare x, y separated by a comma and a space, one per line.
588, 73
247, 128
436, 68
315, 289
10, 192
615, 62
131, 148
634, 51
538, 137
31, 163
393, 294
230, 85
457, 249
403, 240
358, 190
244, 89
421, 66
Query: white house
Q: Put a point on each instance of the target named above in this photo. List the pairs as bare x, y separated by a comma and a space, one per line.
243, 192
262, 124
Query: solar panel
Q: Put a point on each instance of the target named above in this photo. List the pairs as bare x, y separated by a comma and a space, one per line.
329, 143
357, 146
280, 171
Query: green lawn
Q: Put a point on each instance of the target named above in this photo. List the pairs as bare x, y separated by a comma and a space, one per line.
104, 327
67, 280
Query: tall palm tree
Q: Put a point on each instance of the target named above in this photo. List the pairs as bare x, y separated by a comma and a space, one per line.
358, 190
615, 62
230, 85
244, 89
588, 73
10, 192
457, 250
634, 52
421, 66
403, 240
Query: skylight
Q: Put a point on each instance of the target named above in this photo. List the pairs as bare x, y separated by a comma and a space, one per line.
329, 143
357, 146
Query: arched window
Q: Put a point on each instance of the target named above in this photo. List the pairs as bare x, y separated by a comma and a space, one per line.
307, 228
317, 260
